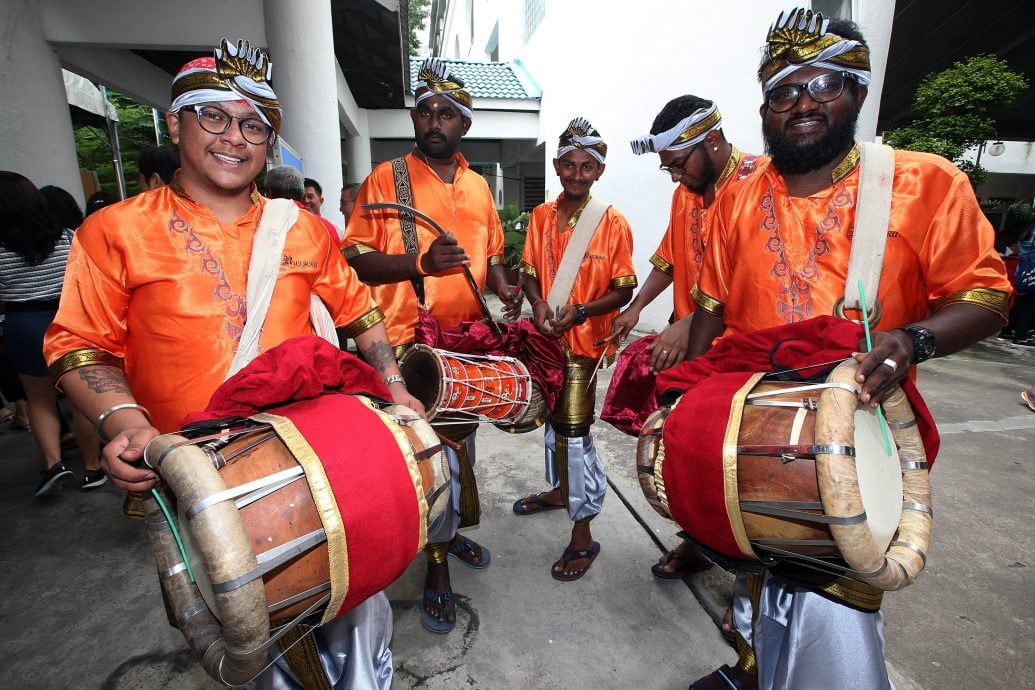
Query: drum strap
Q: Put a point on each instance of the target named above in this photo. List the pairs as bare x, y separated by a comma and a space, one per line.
872, 213
575, 252
470, 504
404, 195
300, 652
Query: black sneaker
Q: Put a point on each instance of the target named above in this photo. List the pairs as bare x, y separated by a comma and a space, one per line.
93, 479
53, 479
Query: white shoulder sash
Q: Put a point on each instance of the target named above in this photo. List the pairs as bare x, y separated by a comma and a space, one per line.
568, 269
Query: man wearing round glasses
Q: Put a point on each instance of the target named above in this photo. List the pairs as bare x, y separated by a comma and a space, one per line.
154, 309
692, 148
778, 253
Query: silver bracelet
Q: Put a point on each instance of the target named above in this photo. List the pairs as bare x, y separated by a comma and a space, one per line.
394, 378
112, 410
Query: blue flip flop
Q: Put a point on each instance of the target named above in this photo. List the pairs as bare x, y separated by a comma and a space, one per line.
573, 555
465, 545
430, 622
530, 505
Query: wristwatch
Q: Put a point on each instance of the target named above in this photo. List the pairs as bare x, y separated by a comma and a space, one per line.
580, 314
925, 343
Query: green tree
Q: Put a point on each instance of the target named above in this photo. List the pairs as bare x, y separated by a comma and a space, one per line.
956, 110
417, 17
136, 130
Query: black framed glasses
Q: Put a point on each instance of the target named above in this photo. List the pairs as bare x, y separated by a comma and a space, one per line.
679, 167
822, 89
216, 121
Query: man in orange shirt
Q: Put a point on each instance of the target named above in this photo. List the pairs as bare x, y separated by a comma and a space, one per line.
778, 252
580, 315
688, 138
153, 306
400, 258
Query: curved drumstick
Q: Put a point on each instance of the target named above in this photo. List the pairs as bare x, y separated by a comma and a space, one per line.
403, 208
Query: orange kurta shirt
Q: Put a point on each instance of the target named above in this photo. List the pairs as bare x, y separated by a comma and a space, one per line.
159, 282
464, 208
773, 259
682, 248
607, 264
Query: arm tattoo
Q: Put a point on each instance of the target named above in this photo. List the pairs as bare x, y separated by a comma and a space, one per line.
104, 379
379, 355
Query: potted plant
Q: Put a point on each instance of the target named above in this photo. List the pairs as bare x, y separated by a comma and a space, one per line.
515, 228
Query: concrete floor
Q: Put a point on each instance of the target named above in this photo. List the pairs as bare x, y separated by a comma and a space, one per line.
80, 605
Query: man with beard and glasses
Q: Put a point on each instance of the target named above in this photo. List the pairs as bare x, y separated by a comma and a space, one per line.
154, 315
401, 257
778, 253
688, 138
578, 256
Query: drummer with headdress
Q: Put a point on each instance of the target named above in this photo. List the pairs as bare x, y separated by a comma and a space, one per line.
153, 315
783, 247
578, 273
409, 265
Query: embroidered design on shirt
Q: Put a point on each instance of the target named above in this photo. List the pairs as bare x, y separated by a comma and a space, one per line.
235, 307
794, 284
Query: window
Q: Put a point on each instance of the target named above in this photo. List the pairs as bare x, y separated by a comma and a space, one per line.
833, 8
534, 11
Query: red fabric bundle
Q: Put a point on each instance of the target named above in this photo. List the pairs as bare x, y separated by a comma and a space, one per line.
630, 397
542, 355
808, 346
297, 369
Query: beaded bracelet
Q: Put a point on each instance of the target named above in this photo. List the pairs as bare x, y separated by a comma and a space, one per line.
112, 410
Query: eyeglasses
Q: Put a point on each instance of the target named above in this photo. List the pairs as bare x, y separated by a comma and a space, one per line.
216, 121
679, 167
822, 89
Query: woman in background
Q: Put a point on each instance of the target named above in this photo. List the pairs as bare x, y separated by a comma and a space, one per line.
33, 253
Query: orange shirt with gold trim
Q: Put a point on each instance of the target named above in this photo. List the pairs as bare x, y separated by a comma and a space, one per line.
158, 282
464, 208
773, 259
607, 264
681, 250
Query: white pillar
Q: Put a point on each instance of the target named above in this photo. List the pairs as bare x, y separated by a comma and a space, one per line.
357, 153
874, 19
301, 47
36, 137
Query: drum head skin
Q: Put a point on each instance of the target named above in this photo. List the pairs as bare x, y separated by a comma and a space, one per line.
880, 478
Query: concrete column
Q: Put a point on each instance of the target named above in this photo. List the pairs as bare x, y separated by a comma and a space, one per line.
357, 153
35, 127
875, 19
301, 47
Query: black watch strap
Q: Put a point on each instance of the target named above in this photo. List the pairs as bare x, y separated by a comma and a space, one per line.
580, 314
925, 343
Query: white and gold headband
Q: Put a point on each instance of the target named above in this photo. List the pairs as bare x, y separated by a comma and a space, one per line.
799, 38
581, 135
435, 80
235, 72
689, 131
